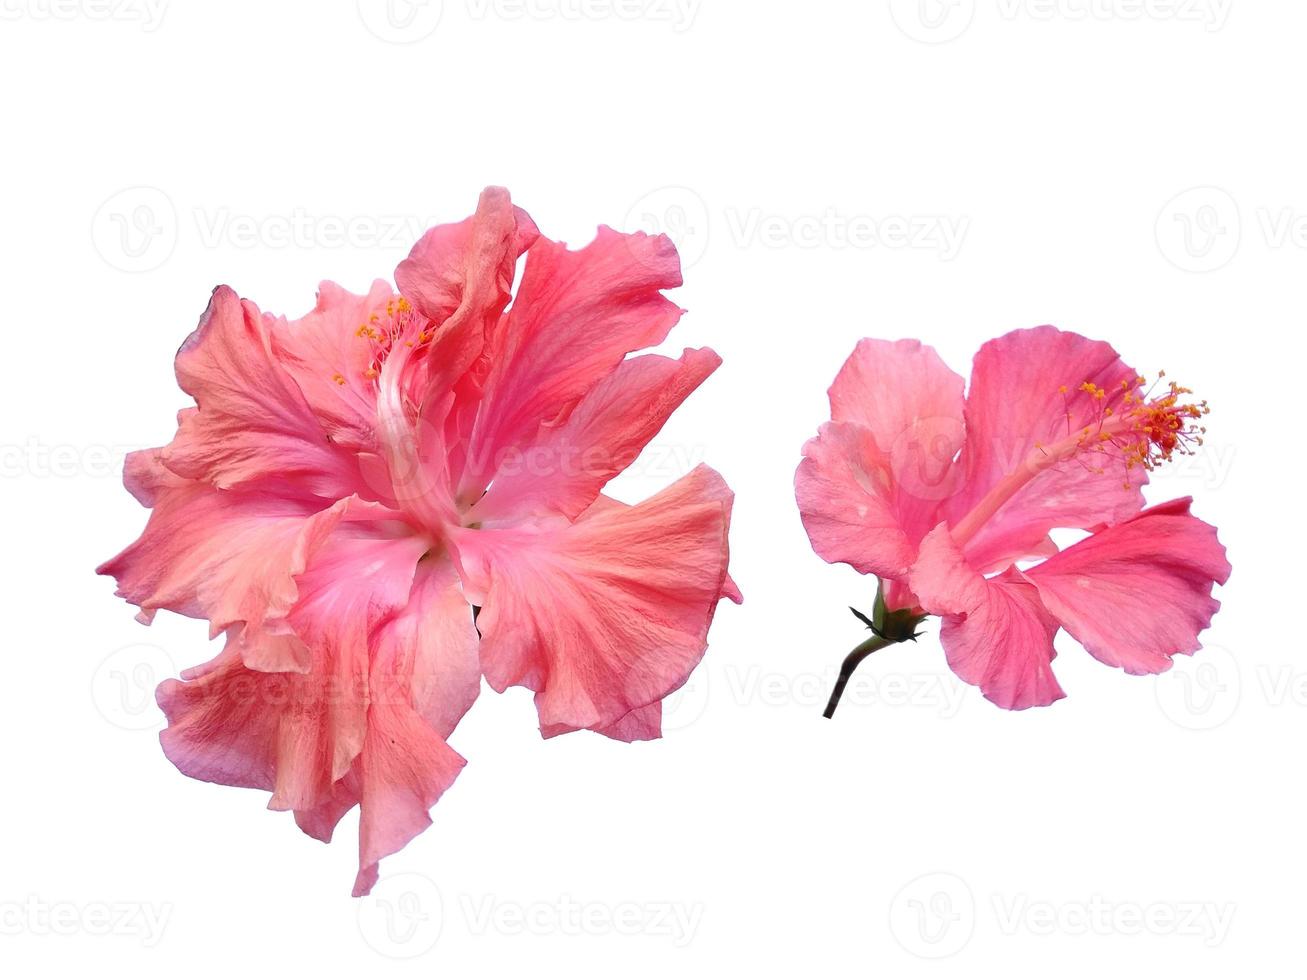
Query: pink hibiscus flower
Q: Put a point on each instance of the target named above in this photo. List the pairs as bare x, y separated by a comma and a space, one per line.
396, 494
941, 495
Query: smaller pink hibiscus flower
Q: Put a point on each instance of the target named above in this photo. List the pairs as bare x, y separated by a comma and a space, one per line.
942, 495
399, 493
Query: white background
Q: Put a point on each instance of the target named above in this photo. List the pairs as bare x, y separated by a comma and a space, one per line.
1132, 170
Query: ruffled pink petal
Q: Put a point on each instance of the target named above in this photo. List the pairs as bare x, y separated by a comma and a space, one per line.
872, 482
145, 476
424, 676
328, 360
1014, 406
845, 492
253, 422
1005, 646
228, 556
996, 633
403, 770
358, 579
575, 316
607, 615
944, 583
641, 725
565, 467
1137, 593
223, 726
297, 734
426, 655
460, 277
890, 387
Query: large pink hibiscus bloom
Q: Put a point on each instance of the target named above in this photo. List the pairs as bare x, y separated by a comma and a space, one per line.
940, 495
398, 493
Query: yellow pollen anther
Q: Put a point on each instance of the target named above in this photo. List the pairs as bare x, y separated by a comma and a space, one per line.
1139, 429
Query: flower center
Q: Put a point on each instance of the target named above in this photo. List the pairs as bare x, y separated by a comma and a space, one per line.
1130, 429
386, 330
1124, 428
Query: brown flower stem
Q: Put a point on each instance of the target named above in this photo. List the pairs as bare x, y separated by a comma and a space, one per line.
856, 656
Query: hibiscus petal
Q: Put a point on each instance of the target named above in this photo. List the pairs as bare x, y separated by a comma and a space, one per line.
1137, 593
944, 583
873, 480
425, 675
846, 501
1005, 646
640, 725
327, 359
403, 770
565, 467
452, 263
253, 422
297, 734
606, 615
460, 277
575, 316
1014, 406
220, 725
228, 556
426, 655
996, 633
359, 577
